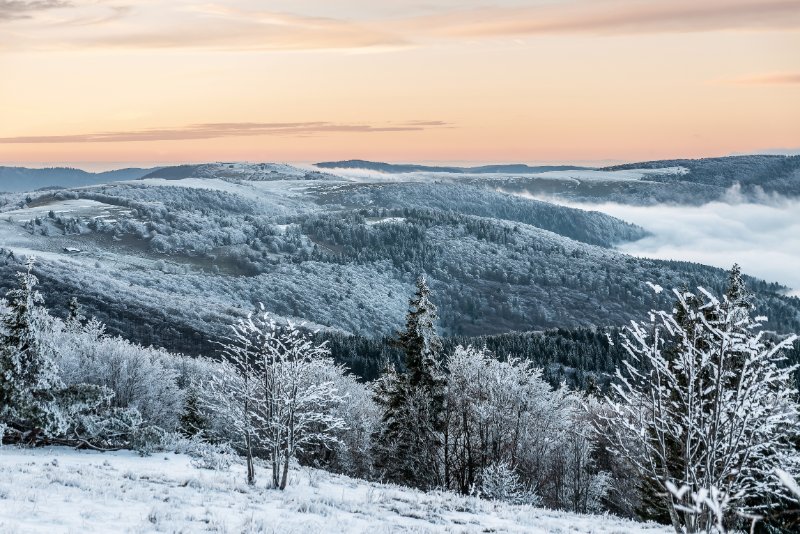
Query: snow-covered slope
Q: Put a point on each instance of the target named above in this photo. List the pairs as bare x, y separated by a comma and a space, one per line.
55, 490
173, 258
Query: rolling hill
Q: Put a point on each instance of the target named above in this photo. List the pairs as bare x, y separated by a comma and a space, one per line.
172, 260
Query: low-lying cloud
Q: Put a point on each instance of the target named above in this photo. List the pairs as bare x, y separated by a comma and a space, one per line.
218, 130
763, 238
775, 78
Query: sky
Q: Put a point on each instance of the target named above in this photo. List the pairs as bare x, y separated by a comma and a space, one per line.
433, 80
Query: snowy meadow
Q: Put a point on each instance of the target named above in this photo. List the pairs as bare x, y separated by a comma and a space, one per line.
54, 490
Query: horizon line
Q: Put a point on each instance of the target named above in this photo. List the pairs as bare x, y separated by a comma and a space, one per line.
97, 166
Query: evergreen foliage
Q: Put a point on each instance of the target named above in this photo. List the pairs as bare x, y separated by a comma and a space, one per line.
28, 374
410, 443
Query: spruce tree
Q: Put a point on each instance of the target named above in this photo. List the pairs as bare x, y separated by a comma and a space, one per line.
705, 408
74, 315
28, 374
690, 311
192, 420
738, 297
737, 305
411, 441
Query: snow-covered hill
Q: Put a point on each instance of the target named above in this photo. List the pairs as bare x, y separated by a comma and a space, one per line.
173, 258
56, 490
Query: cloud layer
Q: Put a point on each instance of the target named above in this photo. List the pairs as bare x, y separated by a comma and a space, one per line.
244, 25
218, 130
613, 17
777, 78
763, 239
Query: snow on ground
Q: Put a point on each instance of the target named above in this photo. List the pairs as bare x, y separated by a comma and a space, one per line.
52, 490
250, 190
211, 184
588, 175
78, 208
575, 175
287, 194
384, 220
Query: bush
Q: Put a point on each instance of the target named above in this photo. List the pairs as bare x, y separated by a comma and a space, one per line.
499, 482
204, 454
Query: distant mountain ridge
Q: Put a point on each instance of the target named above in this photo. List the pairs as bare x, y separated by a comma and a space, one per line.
18, 179
399, 168
767, 173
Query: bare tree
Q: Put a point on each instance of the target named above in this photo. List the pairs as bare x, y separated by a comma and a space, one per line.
705, 409
230, 394
275, 392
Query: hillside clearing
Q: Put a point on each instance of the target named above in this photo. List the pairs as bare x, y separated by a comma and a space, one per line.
62, 490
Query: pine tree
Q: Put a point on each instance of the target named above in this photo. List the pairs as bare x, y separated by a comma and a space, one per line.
412, 438
739, 298
28, 373
192, 420
74, 315
420, 342
690, 311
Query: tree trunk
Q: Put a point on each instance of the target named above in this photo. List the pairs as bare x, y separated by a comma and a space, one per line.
251, 472
275, 467
285, 472
673, 516
447, 455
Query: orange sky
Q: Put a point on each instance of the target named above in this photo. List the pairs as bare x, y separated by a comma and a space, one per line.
451, 80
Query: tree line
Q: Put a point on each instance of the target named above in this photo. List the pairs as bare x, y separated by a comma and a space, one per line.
695, 430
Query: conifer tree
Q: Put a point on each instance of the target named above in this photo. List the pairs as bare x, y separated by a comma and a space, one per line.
74, 315
411, 441
28, 373
192, 420
739, 298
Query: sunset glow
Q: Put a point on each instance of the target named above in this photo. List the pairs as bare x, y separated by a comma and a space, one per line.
310, 80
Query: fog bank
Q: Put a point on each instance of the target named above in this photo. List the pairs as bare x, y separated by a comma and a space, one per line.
763, 238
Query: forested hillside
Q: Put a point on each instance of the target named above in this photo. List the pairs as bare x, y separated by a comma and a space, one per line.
687, 182
16, 179
755, 174
167, 260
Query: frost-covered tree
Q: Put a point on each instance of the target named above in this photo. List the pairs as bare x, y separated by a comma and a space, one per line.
141, 378
706, 407
230, 395
411, 441
74, 315
297, 410
275, 390
352, 452
737, 297
419, 341
503, 413
192, 420
28, 373
499, 481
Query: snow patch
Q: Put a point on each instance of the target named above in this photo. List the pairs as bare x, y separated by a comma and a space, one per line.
385, 220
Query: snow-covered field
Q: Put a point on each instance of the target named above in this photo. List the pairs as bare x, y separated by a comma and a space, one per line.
573, 175
52, 490
81, 208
